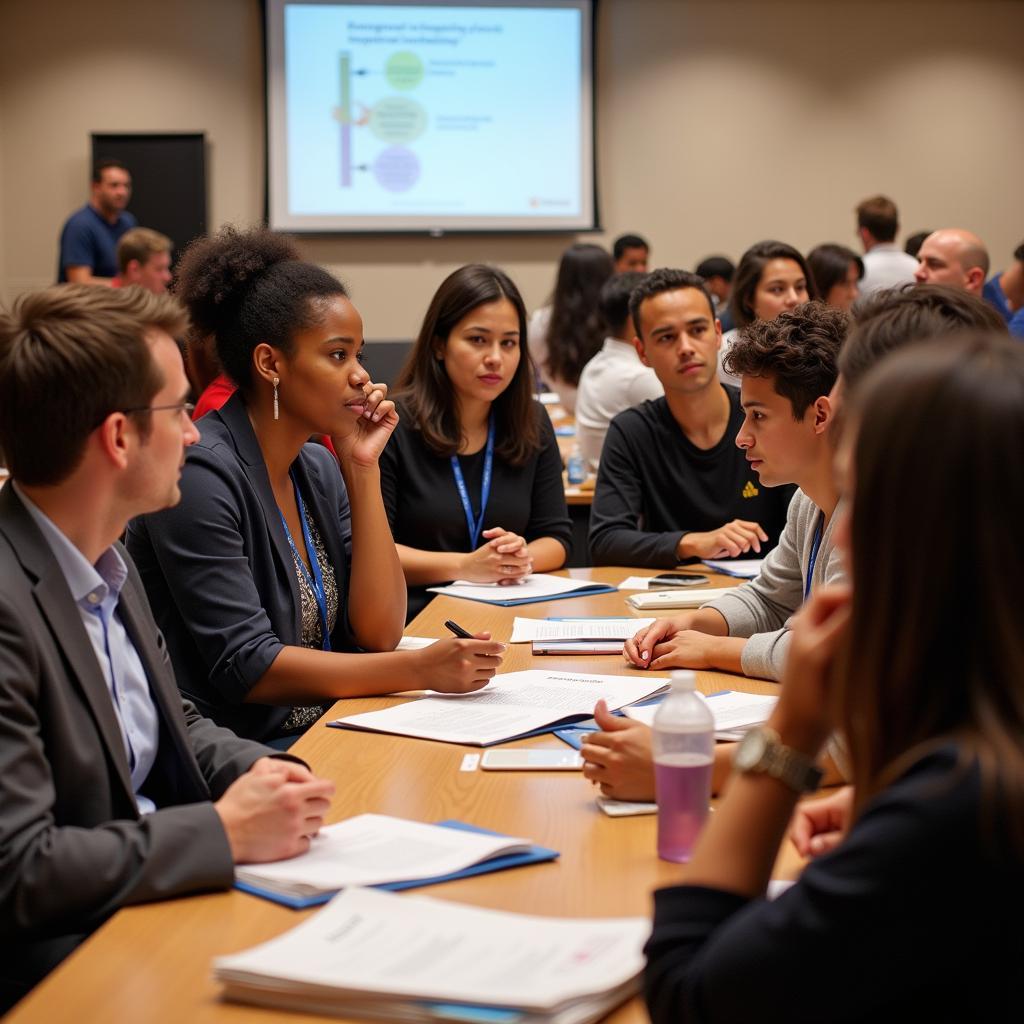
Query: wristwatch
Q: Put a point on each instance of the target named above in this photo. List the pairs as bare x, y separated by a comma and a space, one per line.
761, 750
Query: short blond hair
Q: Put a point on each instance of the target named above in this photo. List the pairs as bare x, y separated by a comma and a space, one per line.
139, 244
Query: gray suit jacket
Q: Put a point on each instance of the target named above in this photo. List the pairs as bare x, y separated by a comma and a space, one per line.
73, 847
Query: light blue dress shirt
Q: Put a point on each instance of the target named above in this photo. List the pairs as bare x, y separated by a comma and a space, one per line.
96, 590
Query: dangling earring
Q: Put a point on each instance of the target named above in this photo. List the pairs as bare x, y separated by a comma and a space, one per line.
277, 410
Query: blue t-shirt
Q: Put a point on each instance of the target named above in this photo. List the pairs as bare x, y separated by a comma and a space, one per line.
993, 292
90, 241
1016, 324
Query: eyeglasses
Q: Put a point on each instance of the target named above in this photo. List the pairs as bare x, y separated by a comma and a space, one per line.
179, 407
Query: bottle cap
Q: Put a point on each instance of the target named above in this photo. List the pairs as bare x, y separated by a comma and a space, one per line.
683, 681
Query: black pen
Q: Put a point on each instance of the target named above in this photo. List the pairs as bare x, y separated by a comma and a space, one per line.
461, 633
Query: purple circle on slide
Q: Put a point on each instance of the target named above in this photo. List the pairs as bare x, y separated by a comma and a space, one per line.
396, 168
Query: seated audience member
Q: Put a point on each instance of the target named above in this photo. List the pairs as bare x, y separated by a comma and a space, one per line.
955, 257
718, 272
772, 277
913, 244
275, 564
788, 368
113, 791
631, 254
566, 334
836, 271
88, 240
472, 477
1005, 290
934, 732
885, 266
144, 258
614, 379
672, 486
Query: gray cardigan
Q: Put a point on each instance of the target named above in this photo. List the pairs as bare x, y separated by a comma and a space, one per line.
761, 609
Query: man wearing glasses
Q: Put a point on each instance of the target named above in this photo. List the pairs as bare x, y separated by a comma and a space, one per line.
113, 790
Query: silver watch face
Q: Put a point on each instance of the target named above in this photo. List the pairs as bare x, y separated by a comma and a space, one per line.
751, 750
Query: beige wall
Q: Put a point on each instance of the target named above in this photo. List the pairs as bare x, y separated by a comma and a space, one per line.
721, 122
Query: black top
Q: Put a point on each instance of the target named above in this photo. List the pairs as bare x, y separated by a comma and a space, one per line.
220, 574
914, 917
425, 510
654, 485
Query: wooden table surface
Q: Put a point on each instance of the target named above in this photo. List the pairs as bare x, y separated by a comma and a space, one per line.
152, 963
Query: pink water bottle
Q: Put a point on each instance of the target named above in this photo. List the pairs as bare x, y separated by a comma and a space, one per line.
684, 744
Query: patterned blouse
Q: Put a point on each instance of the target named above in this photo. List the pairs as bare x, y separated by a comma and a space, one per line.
301, 718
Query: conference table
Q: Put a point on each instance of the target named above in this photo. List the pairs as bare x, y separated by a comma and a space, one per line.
152, 963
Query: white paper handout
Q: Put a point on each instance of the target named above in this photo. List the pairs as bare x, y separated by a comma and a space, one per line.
511, 705
415, 643
536, 586
734, 712
372, 849
745, 568
378, 954
524, 630
635, 583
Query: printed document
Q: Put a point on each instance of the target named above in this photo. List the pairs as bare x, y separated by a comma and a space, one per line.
536, 585
734, 712
524, 630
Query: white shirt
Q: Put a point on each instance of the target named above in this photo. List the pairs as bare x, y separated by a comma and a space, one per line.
537, 332
886, 266
612, 381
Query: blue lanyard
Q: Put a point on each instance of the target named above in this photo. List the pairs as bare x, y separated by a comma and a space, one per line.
316, 581
476, 525
815, 545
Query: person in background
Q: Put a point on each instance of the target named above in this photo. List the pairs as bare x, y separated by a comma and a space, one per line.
565, 335
275, 580
955, 257
912, 246
885, 265
772, 277
631, 254
614, 379
113, 790
718, 272
472, 478
933, 730
88, 240
672, 486
836, 271
1005, 290
144, 258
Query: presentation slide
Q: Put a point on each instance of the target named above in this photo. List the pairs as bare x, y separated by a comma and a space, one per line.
430, 117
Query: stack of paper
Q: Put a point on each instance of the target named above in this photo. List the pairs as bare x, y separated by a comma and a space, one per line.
734, 712
535, 587
744, 568
411, 958
677, 597
512, 705
577, 636
374, 849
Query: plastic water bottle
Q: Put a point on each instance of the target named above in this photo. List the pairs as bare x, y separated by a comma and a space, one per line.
576, 468
684, 744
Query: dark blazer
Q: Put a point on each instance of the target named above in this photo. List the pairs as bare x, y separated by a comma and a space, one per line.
219, 572
73, 848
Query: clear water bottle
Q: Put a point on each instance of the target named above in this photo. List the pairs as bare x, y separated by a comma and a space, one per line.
684, 745
576, 468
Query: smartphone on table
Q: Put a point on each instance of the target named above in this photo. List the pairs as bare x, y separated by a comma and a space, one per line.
678, 579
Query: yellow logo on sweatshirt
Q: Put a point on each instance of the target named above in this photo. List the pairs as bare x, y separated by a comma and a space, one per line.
750, 491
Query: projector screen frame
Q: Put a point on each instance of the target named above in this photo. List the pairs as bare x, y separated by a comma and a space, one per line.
588, 64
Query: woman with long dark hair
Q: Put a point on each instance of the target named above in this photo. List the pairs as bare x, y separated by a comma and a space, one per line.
565, 335
472, 478
915, 913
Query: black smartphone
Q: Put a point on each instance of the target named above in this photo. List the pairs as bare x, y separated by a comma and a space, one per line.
677, 579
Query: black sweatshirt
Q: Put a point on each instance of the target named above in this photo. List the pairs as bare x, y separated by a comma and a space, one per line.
425, 511
654, 485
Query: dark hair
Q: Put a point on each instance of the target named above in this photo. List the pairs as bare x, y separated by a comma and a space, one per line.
661, 280
914, 243
924, 661
799, 349
716, 266
1018, 253
615, 298
879, 216
248, 287
69, 357
890, 319
106, 165
423, 386
624, 242
748, 274
829, 264
577, 328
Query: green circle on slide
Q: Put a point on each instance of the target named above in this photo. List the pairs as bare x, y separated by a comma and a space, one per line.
397, 119
404, 70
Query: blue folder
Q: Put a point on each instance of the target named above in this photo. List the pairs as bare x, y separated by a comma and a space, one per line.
535, 855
